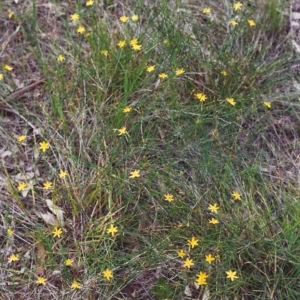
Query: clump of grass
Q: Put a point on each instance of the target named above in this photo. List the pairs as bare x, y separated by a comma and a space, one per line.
142, 172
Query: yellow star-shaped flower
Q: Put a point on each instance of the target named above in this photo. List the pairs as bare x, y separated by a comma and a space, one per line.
57, 232
135, 174
267, 104
107, 274
207, 10
104, 52
209, 258
150, 68
21, 186
41, 280
13, 257
8, 68
201, 97
188, 263
63, 174
169, 197
60, 58
237, 6
122, 131
231, 275
179, 72
21, 138
136, 47
224, 73
112, 230
251, 23
231, 101
10, 14
69, 262
121, 44
233, 22
89, 3
127, 109
181, 253
75, 285
47, 185
193, 242
213, 221
135, 18
80, 30
124, 19
74, 17
163, 75
1, 76
213, 208
10, 232
201, 280
44, 146
236, 196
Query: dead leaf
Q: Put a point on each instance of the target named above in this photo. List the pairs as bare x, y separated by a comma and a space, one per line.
57, 211
48, 218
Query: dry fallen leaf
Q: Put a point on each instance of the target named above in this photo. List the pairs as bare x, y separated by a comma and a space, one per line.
57, 211
48, 218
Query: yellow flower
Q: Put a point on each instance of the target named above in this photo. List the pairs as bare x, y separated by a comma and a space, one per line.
74, 17
201, 280
169, 197
209, 258
233, 22
8, 68
134, 42
47, 185
75, 285
57, 232
21, 186
135, 18
207, 10
237, 6
163, 75
150, 68
44, 146
10, 14
134, 174
201, 97
213, 208
193, 242
224, 73
63, 174
121, 44
231, 101
213, 221
188, 263
69, 262
166, 42
107, 274
112, 230
10, 232
80, 30
267, 104
236, 195
251, 23
41, 280
181, 253
136, 47
179, 72
127, 109
104, 52
60, 58
231, 275
89, 3
122, 131
1, 76
13, 257
124, 19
